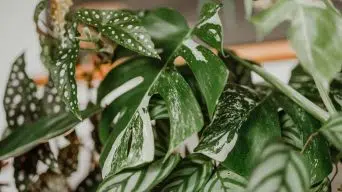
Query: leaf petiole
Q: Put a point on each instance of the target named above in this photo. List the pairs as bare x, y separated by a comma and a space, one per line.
308, 141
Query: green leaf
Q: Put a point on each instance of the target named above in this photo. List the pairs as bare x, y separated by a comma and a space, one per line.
39, 9
332, 131
315, 35
316, 155
279, 169
140, 179
122, 27
191, 174
261, 127
225, 180
290, 132
30, 135
209, 28
129, 113
323, 186
52, 102
232, 110
63, 70
20, 101
336, 91
208, 69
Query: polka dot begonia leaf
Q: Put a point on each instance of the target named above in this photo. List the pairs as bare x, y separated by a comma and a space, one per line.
20, 101
52, 102
68, 156
63, 70
122, 27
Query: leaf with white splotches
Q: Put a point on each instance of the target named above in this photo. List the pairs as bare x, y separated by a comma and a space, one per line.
140, 179
20, 101
315, 34
68, 156
209, 28
191, 174
232, 110
332, 130
122, 27
224, 180
279, 169
51, 102
63, 70
132, 141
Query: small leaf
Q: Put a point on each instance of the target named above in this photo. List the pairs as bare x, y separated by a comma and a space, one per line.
332, 131
316, 156
191, 174
140, 179
122, 27
63, 70
225, 180
279, 169
30, 135
233, 109
209, 28
261, 126
310, 21
43, 4
20, 101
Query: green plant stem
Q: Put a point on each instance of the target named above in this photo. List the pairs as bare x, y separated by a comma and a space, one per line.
325, 97
302, 101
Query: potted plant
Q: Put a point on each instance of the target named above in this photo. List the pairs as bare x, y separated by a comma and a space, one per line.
244, 136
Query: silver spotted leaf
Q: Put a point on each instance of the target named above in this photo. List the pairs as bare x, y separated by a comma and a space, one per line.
50, 182
191, 174
332, 130
224, 180
52, 103
25, 169
140, 179
20, 101
68, 156
209, 28
233, 108
315, 35
91, 182
63, 70
122, 27
279, 169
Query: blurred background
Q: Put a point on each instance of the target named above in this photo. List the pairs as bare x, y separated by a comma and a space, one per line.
17, 34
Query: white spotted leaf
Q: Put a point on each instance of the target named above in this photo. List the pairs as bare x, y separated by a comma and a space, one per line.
224, 180
279, 169
122, 27
209, 28
140, 179
332, 130
315, 34
233, 108
191, 174
63, 70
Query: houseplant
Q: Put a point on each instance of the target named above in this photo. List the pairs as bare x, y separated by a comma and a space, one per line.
273, 137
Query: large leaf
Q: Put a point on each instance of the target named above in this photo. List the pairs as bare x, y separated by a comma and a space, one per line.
122, 27
63, 70
191, 174
233, 108
208, 70
129, 113
279, 169
224, 180
140, 179
184, 113
30, 135
261, 127
336, 91
315, 34
316, 155
332, 130
290, 132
